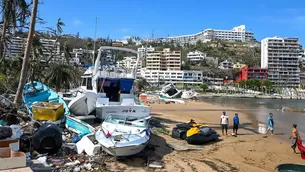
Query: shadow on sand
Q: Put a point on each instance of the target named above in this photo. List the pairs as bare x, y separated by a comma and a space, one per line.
156, 149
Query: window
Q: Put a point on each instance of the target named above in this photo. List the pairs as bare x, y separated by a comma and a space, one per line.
89, 83
84, 81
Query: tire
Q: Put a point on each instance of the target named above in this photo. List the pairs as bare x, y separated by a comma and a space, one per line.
47, 139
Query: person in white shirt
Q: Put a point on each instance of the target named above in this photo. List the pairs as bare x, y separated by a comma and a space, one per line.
224, 122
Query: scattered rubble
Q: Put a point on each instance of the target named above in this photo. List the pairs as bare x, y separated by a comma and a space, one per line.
51, 147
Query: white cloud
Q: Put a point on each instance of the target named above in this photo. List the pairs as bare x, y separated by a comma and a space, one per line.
77, 22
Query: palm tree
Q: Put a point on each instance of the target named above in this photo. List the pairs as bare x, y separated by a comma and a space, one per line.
13, 11
25, 64
204, 87
141, 84
59, 26
67, 51
61, 74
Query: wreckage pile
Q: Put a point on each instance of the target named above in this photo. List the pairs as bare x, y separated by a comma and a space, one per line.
42, 146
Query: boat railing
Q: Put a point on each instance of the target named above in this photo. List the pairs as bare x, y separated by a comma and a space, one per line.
115, 75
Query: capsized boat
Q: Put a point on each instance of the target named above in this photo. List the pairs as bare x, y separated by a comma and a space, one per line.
122, 135
83, 104
36, 92
170, 91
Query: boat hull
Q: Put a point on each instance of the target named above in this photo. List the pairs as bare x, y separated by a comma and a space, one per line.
84, 104
124, 151
138, 111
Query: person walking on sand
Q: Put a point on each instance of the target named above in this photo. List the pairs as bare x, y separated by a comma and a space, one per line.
295, 137
235, 123
224, 122
270, 124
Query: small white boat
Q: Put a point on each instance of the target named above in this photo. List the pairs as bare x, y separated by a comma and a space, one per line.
170, 91
122, 135
188, 94
84, 104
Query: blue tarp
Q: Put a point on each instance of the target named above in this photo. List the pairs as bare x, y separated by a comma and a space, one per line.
126, 85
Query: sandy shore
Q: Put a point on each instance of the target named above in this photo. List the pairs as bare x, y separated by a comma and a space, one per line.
247, 152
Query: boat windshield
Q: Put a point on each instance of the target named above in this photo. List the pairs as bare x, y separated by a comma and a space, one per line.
127, 120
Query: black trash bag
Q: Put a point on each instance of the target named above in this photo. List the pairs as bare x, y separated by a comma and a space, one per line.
47, 139
178, 133
5, 132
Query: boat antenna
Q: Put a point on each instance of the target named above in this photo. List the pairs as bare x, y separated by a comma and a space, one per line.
94, 43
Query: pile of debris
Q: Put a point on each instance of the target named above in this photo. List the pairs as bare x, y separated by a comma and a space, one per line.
44, 146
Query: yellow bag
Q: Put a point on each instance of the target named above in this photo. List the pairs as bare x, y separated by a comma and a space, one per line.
192, 131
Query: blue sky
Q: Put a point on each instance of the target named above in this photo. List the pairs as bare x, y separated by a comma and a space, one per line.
120, 18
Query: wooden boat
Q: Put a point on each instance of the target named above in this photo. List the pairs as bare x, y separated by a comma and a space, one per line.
35, 93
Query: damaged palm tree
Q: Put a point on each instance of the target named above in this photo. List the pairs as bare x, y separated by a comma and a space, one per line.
25, 64
13, 12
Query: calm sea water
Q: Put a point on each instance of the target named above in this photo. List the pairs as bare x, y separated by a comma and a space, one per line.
259, 109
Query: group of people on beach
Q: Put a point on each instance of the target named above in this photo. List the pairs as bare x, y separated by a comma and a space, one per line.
224, 122
295, 136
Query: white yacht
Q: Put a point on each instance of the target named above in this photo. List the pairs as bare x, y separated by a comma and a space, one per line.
114, 89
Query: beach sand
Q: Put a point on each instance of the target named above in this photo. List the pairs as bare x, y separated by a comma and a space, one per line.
248, 151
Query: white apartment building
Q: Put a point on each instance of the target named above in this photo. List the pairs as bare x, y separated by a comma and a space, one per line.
195, 56
15, 47
163, 60
129, 63
157, 77
50, 47
226, 65
281, 57
146, 49
237, 34
81, 52
108, 58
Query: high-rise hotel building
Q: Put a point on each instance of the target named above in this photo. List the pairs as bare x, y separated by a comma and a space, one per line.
281, 57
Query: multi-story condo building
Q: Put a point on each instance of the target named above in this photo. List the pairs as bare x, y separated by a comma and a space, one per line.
195, 56
163, 60
226, 65
51, 47
157, 77
253, 73
15, 47
281, 57
81, 52
130, 63
108, 58
146, 49
237, 34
